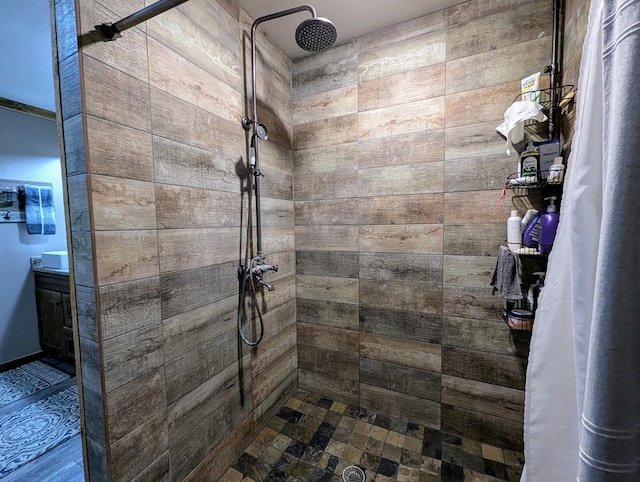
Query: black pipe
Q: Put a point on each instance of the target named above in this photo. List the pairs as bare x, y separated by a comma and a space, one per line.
112, 31
555, 68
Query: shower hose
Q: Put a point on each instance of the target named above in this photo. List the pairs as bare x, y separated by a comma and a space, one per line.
247, 276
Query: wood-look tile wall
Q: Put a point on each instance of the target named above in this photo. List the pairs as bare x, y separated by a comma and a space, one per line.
398, 171
153, 140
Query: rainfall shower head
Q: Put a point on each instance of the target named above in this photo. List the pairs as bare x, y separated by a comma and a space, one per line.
315, 34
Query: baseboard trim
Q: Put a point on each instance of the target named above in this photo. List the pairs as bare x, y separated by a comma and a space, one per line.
10, 365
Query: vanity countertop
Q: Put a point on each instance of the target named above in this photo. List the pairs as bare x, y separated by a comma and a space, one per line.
36, 266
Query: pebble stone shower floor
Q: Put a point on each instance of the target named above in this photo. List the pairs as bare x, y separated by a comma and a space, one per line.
312, 439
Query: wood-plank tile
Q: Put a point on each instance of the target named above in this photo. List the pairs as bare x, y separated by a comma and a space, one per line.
132, 354
328, 338
183, 249
329, 363
478, 105
401, 209
478, 174
474, 239
175, 75
327, 313
409, 54
326, 132
326, 185
347, 49
422, 268
482, 335
496, 431
501, 402
181, 164
180, 121
130, 58
401, 295
189, 410
126, 255
469, 271
405, 179
412, 148
214, 465
129, 306
269, 351
417, 116
186, 331
326, 238
402, 406
502, 65
505, 371
342, 290
474, 140
509, 26
74, 145
189, 371
273, 376
182, 291
119, 204
468, 11
158, 471
400, 379
208, 48
339, 389
341, 157
478, 207
191, 450
117, 150
132, 404
326, 211
409, 325
335, 75
402, 88
403, 238
332, 103
425, 356
115, 96
402, 31
70, 94
472, 302
327, 263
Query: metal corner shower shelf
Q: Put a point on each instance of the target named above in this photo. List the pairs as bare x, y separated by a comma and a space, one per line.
313, 34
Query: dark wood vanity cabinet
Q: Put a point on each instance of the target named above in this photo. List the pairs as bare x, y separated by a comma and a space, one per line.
53, 303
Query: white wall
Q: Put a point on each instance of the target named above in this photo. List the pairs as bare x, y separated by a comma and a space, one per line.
28, 151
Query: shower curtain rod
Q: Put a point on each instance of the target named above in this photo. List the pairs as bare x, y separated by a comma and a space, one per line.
111, 31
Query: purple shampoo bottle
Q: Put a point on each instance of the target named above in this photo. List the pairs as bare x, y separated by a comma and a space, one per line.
548, 226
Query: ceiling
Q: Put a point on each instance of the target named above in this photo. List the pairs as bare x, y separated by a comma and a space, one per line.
26, 74
351, 17
25, 37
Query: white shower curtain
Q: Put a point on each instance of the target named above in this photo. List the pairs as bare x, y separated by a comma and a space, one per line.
582, 402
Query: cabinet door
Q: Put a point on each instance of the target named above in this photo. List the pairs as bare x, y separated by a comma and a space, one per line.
50, 319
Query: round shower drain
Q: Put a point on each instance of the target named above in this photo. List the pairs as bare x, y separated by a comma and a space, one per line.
353, 474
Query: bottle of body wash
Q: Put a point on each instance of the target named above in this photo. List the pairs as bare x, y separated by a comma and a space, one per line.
548, 226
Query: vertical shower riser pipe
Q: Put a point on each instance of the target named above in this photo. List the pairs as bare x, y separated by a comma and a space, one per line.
254, 120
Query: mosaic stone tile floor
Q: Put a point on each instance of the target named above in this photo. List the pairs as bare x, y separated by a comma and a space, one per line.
312, 439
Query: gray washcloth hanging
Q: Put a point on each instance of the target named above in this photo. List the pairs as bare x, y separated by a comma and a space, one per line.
506, 276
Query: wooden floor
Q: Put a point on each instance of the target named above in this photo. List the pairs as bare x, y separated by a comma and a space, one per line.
61, 464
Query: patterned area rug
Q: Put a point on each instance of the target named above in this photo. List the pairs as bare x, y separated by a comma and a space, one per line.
27, 379
37, 428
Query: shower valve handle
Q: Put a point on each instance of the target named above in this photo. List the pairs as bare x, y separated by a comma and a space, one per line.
260, 269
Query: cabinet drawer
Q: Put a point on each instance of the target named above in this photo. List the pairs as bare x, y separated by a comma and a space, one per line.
53, 282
